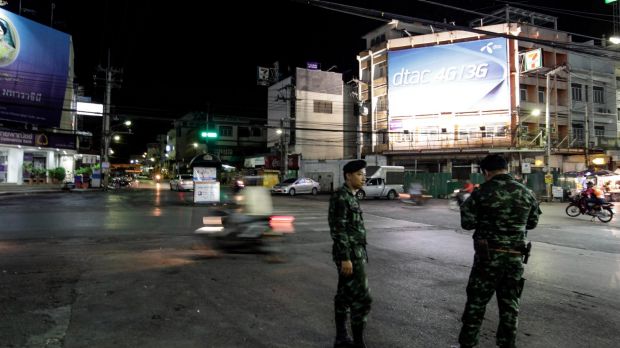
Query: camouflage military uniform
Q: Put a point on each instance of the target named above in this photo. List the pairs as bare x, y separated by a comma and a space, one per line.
500, 211
346, 226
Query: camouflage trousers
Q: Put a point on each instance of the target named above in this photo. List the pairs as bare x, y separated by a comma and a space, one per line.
502, 275
353, 293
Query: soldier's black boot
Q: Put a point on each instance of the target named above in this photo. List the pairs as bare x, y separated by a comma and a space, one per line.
343, 340
358, 336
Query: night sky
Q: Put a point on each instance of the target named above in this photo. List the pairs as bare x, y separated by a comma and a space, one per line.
192, 55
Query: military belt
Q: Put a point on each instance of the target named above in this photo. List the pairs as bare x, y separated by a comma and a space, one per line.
507, 251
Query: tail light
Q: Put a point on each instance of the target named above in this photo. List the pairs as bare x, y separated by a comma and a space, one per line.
282, 223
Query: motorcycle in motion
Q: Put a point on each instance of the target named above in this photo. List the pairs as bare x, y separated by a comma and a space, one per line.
457, 198
579, 205
249, 228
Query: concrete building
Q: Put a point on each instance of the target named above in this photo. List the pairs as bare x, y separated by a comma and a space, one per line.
315, 112
438, 102
37, 121
237, 138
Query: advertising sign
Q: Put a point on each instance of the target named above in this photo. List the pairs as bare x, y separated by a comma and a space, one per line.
461, 77
205, 174
34, 68
206, 186
206, 192
48, 140
532, 60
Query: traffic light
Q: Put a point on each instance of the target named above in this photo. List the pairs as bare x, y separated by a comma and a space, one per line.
208, 135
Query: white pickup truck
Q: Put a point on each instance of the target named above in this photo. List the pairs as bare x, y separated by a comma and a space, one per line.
383, 181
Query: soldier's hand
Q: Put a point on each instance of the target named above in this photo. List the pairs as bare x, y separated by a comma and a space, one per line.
346, 268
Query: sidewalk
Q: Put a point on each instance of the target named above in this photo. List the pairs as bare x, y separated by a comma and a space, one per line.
13, 189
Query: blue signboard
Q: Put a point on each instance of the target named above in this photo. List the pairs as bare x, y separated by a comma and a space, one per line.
461, 77
34, 68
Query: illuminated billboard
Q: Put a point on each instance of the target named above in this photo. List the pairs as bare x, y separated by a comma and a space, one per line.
462, 77
34, 69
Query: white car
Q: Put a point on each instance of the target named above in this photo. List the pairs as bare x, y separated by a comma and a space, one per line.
182, 182
295, 186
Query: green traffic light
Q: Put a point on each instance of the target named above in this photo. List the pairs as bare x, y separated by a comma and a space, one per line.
206, 134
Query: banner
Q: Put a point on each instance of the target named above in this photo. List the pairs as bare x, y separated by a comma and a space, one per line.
461, 77
34, 69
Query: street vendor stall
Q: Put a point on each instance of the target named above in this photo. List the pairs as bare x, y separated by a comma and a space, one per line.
606, 180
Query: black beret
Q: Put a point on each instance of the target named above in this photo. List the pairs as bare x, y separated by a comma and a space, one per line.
353, 166
493, 162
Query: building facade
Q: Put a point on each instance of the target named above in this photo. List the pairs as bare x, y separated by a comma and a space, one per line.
237, 138
312, 114
439, 102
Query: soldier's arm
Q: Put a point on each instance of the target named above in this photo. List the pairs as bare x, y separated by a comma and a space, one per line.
468, 212
532, 219
338, 209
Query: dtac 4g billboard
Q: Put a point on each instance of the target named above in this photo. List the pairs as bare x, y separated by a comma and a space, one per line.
34, 69
461, 77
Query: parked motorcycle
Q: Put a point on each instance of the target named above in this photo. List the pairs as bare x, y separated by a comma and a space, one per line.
579, 206
120, 182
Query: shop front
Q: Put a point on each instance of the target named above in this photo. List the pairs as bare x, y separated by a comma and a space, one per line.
26, 156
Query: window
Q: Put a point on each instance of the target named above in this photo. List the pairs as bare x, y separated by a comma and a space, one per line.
381, 71
382, 103
256, 132
501, 131
599, 94
225, 131
377, 40
323, 106
578, 131
541, 94
576, 89
523, 92
243, 132
599, 131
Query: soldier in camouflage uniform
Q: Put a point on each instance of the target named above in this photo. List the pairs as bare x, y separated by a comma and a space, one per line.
501, 212
347, 230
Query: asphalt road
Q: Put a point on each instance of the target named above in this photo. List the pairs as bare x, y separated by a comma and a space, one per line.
124, 269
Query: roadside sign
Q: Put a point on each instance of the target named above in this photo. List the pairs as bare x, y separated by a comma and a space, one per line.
526, 168
206, 191
548, 179
206, 186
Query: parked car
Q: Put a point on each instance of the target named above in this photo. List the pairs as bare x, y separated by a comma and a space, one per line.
295, 186
182, 182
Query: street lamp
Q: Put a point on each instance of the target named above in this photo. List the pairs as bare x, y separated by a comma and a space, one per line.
108, 133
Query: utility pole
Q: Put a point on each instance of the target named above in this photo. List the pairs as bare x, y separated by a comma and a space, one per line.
548, 126
105, 133
586, 136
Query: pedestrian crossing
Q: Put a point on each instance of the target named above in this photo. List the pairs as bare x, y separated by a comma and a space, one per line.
317, 221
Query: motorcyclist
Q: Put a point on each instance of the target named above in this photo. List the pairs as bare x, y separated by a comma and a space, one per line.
593, 197
465, 192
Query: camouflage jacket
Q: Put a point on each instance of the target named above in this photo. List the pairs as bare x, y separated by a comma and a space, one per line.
501, 210
346, 225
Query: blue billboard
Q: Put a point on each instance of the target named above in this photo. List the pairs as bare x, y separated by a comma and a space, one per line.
34, 69
461, 77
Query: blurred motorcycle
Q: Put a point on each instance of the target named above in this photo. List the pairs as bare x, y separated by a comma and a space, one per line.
458, 197
250, 228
